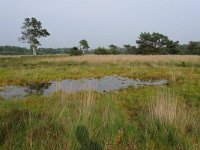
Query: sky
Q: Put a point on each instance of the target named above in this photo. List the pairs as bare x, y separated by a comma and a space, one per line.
100, 22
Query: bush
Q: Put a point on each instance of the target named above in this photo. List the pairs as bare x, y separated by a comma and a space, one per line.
75, 51
101, 51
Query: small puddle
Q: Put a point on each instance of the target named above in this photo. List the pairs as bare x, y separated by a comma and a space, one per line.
107, 83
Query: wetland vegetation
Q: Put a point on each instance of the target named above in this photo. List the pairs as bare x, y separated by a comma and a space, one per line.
148, 117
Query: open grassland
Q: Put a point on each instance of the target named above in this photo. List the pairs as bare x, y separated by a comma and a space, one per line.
149, 117
20, 70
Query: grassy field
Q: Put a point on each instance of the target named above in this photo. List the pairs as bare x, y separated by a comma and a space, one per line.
149, 117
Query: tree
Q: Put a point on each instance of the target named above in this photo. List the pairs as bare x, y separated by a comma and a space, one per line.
130, 49
173, 47
75, 51
151, 43
84, 46
31, 31
113, 49
154, 43
194, 47
113, 46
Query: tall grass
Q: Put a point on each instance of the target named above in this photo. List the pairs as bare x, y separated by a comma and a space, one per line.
63, 121
57, 122
166, 108
170, 117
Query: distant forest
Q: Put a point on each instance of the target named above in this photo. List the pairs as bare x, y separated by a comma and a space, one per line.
147, 44
14, 50
193, 48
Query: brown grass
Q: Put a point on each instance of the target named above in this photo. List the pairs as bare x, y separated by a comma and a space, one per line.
110, 58
168, 109
125, 58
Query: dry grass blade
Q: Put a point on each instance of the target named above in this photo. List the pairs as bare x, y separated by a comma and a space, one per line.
167, 109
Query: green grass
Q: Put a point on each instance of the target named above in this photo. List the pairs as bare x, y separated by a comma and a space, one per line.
35, 69
121, 119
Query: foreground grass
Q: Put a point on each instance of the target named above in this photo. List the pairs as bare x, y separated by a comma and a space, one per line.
154, 117
120, 120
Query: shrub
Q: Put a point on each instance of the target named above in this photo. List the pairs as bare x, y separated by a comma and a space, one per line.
101, 51
75, 51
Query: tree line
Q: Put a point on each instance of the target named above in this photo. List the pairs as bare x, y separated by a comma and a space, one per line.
193, 48
14, 50
147, 44
152, 44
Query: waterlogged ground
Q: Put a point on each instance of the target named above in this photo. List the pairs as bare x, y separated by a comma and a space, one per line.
153, 102
105, 84
23, 70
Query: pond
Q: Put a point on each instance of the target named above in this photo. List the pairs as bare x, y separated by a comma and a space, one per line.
104, 84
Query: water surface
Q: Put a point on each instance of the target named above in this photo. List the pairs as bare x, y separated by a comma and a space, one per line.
104, 84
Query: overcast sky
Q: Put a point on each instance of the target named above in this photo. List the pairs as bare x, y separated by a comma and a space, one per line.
101, 22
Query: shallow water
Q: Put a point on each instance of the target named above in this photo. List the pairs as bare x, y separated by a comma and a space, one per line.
107, 83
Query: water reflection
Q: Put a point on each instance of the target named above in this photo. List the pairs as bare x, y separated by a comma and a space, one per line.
37, 88
104, 84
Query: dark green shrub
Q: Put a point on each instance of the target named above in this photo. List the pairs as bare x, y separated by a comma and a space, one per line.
101, 51
75, 52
